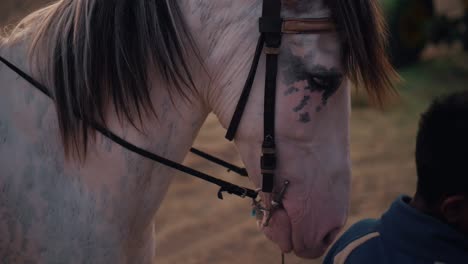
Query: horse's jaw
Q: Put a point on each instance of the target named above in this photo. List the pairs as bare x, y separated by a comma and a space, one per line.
316, 201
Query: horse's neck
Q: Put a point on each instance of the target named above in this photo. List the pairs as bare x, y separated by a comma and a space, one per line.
177, 124
134, 182
226, 33
15, 51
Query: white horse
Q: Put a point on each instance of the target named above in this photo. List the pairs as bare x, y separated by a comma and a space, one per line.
151, 71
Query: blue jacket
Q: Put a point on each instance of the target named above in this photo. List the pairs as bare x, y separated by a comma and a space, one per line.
403, 235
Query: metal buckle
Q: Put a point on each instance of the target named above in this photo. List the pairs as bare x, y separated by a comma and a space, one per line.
268, 160
222, 190
273, 51
260, 212
245, 193
269, 150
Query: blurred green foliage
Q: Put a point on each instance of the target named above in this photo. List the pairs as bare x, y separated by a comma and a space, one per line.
424, 81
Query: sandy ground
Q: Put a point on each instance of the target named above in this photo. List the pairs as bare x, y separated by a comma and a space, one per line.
193, 226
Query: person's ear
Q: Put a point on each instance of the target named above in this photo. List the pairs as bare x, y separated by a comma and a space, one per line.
452, 208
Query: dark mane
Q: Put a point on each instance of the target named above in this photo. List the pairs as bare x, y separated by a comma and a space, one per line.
100, 53
363, 31
96, 53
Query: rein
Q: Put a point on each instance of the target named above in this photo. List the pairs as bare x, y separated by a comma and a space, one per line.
224, 185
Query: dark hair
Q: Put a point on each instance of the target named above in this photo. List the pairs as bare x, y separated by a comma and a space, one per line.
442, 148
97, 53
363, 30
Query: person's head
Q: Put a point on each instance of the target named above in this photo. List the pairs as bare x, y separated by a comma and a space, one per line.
442, 159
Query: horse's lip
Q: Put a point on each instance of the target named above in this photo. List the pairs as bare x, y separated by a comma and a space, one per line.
289, 250
283, 235
315, 252
310, 253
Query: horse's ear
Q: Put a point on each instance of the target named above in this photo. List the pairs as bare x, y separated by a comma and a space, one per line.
364, 33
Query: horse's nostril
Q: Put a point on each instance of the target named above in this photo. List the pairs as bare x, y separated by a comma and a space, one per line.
328, 239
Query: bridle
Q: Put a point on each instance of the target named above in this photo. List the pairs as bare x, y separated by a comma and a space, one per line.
272, 27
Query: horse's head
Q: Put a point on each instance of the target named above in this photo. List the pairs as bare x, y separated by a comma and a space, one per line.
315, 72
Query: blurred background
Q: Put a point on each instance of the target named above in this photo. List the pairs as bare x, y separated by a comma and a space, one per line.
427, 42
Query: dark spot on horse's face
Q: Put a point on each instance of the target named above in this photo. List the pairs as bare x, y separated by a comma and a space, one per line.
304, 117
291, 90
293, 67
326, 82
319, 80
303, 104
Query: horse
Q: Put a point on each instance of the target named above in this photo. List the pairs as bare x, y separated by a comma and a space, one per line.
151, 71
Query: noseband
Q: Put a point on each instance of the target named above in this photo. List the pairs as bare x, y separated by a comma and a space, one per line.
272, 27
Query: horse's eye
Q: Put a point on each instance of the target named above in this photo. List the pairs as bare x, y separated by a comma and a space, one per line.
326, 82
323, 82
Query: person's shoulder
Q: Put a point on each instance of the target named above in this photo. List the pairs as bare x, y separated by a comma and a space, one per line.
359, 244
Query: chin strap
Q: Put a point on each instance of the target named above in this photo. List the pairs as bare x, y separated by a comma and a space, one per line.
244, 98
271, 26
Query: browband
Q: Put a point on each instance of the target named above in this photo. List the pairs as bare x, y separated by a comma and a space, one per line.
307, 25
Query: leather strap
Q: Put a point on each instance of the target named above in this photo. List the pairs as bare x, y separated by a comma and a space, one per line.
224, 186
270, 25
231, 167
239, 112
307, 25
269, 159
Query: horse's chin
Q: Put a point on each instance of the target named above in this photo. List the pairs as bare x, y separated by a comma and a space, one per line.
310, 253
279, 231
